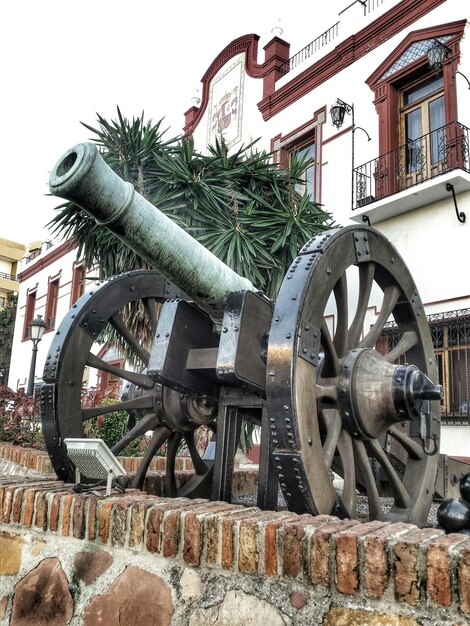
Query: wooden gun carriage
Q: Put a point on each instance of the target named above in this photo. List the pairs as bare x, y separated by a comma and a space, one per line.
325, 398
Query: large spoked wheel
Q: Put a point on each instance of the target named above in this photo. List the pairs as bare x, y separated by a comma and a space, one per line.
338, 397
64, 414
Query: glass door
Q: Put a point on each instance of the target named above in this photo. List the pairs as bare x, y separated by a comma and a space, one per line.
422, 120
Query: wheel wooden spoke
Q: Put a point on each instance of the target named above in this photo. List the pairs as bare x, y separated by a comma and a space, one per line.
148, 422
363, 464
408, 341
341, 335
327, 392
141, 402
402, 497
414, 449
333, 429
74, 346
150, 309
330, 366
350, 380
391, 295
174, 441
199, 466
346, 453
160, 435
118, 324
366, 279
133, 377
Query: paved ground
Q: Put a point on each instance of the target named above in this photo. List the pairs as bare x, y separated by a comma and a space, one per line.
362, 504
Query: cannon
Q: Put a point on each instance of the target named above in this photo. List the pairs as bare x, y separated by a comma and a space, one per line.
329, 398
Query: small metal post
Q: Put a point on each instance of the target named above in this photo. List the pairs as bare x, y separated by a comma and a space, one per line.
32, 370
36, 331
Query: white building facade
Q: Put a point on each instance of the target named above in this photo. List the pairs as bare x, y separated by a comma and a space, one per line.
50, 281
399, 161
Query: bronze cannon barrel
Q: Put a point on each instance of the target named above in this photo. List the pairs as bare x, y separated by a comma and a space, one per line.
82, 176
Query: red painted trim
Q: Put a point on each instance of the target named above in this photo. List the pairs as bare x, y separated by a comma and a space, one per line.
78, 274
276, 53
288, 142
453, 28
30, 306
47, 260
346, 53
53, 288
387, 90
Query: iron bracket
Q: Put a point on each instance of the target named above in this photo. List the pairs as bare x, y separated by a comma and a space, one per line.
460, 215
424, 432
361, 246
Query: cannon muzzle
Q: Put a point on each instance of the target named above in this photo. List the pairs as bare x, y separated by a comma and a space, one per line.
83, 177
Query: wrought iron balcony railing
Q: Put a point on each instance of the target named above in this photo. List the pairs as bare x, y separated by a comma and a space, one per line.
310, 49
330, 34
7, 276
421, 159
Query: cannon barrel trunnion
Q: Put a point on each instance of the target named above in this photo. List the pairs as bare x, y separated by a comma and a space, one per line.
327, 400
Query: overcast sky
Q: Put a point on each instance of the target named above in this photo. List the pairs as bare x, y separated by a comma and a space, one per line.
62, 61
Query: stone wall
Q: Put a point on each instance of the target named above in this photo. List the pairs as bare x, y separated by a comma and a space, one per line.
127, 559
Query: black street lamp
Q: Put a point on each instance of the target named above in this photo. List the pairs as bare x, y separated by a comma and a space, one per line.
36, 331
437, 54
337, 112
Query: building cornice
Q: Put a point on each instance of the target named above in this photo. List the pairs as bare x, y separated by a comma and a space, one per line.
247, 45
346, 53
48, 259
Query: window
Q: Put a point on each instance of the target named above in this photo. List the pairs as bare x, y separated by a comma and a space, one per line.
2, 302
305, 143
306, 154
51, 304
422, 121
78, 283
109, 384
451, 339
450, 333
419, 133
29, 312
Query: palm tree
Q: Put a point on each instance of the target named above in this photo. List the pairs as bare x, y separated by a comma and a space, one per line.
241, 206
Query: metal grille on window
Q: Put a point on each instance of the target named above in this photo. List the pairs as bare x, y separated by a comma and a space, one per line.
450, 332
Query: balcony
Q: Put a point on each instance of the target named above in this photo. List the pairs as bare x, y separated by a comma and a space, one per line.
413, 175
8, 283
7, 276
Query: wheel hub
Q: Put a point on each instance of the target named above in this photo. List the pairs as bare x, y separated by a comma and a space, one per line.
374, 394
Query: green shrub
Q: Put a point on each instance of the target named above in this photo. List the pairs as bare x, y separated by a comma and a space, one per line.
111, 427
20, 421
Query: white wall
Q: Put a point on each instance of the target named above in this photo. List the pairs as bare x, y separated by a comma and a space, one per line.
22, 350
455, 440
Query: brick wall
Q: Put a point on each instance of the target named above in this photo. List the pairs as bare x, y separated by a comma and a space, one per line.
38, 460
67, 556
